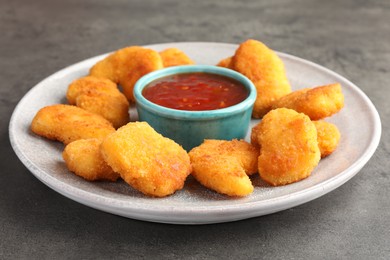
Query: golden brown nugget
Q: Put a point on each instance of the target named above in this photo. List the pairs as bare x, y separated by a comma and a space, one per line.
149, 162
83, 158
317, 103
246, 153
226, 63
328, 136
223, 174
224, 166
289, 148
100, 96
112, 67
126, 66
254, 136
66, 123
174, 57
89, 84
266, 70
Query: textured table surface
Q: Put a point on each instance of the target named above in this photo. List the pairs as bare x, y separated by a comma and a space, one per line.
41, 37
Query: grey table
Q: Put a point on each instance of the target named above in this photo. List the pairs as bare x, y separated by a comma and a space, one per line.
40, 37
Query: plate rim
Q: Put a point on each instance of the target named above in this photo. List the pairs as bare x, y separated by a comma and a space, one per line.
256, 208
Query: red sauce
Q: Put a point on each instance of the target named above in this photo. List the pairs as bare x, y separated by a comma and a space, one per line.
195, 91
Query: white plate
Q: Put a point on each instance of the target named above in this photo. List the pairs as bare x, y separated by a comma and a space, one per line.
358, 123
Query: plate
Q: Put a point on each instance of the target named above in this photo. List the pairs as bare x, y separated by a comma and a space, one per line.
358, 122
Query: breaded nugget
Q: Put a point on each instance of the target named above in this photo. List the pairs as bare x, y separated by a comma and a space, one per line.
223, 174
224, 166
113, 108
174, 57
317, 103
226, 63
100, 96
126, 66
245, 152
255, 136
289, 148
328, 136
89, 84
149, 162
83, 158
67, 123
266, 70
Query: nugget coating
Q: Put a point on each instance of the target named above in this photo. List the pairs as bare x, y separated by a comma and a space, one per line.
66, 123
246, 153
255, 132
174, 57
289, 148
266, 70
224, 166
226, 63
230, 179
149, 162
89, 84
328, 136
317, 103
126, 66
83, 158
100, 96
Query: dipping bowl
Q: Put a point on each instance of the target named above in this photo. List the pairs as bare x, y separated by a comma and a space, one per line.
190, 128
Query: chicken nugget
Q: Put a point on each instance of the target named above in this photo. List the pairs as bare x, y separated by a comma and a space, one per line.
100, 96
289, 147
223, 174
255, 132
112, 67
226, 63
89, 84
246, 153
66, 123
83, 158
149, 162
224, 166
328, 136
126, 66
266, 70
174, 57
317, 103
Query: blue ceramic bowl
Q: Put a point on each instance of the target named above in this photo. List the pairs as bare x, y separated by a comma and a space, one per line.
190, 128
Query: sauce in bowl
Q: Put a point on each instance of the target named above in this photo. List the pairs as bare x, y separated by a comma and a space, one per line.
196, 91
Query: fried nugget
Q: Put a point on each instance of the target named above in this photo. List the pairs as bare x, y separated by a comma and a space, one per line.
149, 162
83, 158
100, 96
126, 66
67, 123
245, 152
255, 132
226, 63
174, 57
317, 103
224, 166
289, 147
223, 174
89, 84
266, 70
328, 136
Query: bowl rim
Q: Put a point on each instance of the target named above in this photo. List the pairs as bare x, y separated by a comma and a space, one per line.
141, 101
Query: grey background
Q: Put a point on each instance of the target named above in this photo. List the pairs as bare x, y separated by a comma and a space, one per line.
40, 37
